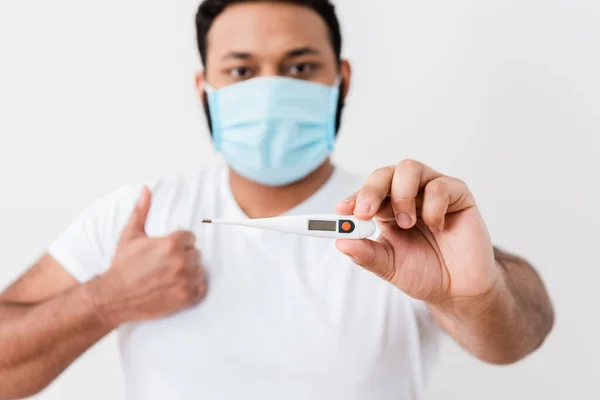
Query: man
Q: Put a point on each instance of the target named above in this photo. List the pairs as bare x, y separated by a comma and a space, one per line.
212, 312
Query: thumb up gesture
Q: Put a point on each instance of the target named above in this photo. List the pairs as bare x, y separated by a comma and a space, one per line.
149, 277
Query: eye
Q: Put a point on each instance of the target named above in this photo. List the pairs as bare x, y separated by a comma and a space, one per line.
240, 72
301, 70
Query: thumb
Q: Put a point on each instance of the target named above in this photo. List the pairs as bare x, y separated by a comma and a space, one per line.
371, 255
136, 226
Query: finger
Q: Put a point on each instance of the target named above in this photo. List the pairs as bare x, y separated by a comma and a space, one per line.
192, 258
442, 196
197, 275
386, 212
409, 179
136, 226
201, 293
371, 255
346, 206
200, 285
372, 194
435, 204
183, 239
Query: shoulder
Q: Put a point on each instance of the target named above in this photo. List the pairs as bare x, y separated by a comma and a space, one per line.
165, 189
186, 184
351, 181
174, 197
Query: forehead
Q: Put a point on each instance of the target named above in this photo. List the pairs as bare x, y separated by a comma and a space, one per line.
267, 29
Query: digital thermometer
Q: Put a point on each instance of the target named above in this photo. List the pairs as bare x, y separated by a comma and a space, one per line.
325, 226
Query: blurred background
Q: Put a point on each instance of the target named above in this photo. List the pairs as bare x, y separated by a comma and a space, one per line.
504, 94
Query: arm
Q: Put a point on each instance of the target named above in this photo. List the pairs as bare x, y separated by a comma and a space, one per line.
48, 319
44, 328
506, 324
435, 247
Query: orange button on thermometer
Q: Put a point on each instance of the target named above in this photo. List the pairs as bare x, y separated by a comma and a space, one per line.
325, 225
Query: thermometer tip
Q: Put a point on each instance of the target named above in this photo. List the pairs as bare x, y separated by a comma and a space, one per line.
207, 221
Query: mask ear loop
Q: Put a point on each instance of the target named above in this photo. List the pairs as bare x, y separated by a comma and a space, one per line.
207, 88
338, 81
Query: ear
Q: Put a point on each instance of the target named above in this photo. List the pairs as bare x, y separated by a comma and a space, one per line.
346, 74
200, 84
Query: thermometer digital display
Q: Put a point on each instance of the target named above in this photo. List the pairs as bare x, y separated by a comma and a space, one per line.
322, 226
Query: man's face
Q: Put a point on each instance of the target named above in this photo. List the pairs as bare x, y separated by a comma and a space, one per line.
260, 39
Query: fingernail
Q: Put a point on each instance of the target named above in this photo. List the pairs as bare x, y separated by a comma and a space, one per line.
349, 201
141, 201
363, 207
404, 220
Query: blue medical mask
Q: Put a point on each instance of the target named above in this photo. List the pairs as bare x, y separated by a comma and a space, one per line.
274, 130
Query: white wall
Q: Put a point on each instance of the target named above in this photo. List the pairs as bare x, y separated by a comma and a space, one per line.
501, 93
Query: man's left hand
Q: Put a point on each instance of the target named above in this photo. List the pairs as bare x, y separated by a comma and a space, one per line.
434, 245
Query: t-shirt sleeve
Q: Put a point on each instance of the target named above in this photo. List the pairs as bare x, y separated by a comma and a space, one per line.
86, 247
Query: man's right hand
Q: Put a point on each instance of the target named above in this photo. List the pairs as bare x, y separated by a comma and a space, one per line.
149, 277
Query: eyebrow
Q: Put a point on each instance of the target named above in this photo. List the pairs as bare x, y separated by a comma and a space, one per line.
237, 55
301, 51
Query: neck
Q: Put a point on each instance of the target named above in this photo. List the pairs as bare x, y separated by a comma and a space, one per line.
260, 201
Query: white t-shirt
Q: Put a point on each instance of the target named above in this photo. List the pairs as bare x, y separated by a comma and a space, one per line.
285, 317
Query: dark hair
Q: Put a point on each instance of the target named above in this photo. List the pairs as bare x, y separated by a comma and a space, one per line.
210, 9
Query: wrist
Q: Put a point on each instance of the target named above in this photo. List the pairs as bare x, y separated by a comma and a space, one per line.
487, 325
473, 308
99, 292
